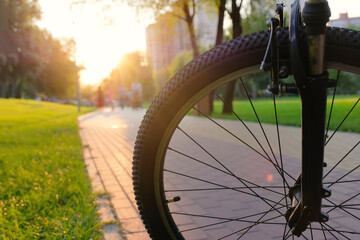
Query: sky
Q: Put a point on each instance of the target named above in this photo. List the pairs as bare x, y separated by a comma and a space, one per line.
102, 36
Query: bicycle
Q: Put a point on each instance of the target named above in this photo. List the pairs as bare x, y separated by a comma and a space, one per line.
228, 183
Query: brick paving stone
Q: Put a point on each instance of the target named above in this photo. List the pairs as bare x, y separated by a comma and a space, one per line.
112, 167
109, 137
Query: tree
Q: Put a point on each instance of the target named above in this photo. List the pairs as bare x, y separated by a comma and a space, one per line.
220, 26
184, 10
254, 21
16, 17
179, 62
237, 31
206, 105
31, 59
56, 75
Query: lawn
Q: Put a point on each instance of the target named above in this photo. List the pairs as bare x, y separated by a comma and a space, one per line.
289, 111
44, 189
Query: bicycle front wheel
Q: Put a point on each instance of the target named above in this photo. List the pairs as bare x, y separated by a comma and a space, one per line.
199, 177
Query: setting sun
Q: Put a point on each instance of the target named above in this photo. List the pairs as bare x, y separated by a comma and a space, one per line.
102, 34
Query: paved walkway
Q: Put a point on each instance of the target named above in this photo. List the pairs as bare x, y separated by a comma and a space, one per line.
109, 136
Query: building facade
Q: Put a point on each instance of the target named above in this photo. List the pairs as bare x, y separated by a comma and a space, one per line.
169, 36
165, 39
345, 21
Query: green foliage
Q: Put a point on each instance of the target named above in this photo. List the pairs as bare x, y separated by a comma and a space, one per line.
30, 58
348, 83
180, 61
259, 12
58, 71
44, 190
354, 27
19, 14
176, 64
289, 111
161, 76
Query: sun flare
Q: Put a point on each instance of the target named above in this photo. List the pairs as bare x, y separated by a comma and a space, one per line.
102, 36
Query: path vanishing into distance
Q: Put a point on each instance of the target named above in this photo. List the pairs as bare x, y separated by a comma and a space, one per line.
109, 136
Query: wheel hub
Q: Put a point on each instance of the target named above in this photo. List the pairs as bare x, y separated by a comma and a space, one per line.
297, 216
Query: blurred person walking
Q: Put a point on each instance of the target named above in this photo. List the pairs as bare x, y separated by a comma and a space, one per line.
122, 96
110, 95
100, 98
136, 94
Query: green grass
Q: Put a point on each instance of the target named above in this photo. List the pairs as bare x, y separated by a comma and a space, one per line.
44, 189
289, 111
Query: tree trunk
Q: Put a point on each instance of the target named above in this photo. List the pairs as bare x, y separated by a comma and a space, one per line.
204, 104
237, 31
3, 87
218, 41
13, 88
207, 103
220, 26
254, 89
189, 21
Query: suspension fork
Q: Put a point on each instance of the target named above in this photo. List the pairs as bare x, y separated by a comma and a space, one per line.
315, 15
312, 83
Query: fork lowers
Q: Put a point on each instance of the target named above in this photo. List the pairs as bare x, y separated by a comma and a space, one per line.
312, 81
313, 93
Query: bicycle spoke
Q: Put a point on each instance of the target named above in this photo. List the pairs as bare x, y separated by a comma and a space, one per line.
265, 221
258, 119
219, 185
242, 141
304, 236
220, 170
207, 152
257, 222
344, 176
332, 104
338, 232
342, 122
341, 159
277, 167
352, 208
285, 233
322, 224
339, 206
249, 227
347, 200
288, 234
279, 142
214, 189
248, 129
347, 206
224, 220
345, 181
323, 231
263, 199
